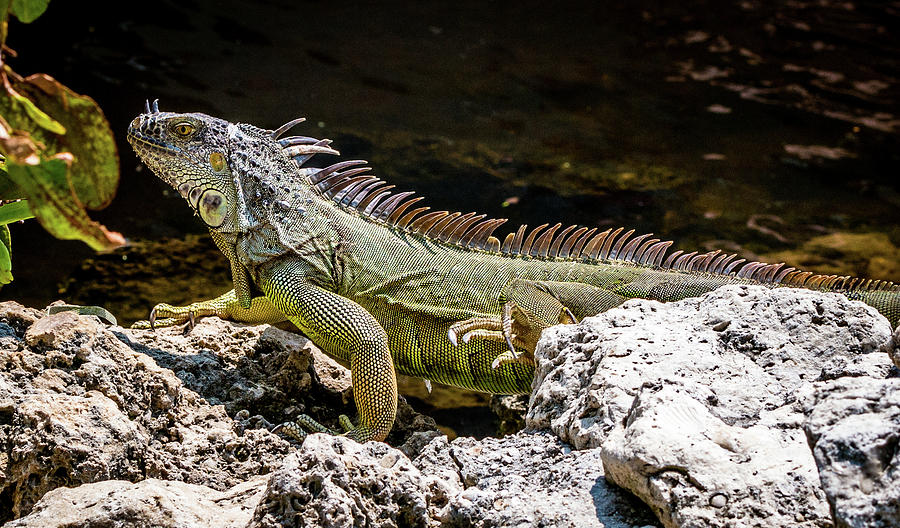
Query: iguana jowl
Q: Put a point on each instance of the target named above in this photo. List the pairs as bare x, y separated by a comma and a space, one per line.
383, 284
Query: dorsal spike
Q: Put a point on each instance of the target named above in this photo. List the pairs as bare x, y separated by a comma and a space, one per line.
692, 263
607, 244
721, 267
517, 242
358, 193
482, 232
278, 132
576, 251
462, 227
629, 248
594, 245
492, 245
542, 243
301, 153
660, 253
328, 185
639, 253
334, 192
384, 211
668, 263
298, 140
770, 272
730, 267
749, 270
405, 220
507, 243
526, 247
557, 242
422, 224
616, 251
317, 177
398, 212
368, 204
376, 199
435, 230
651, 256
682, 260
473, 232
566, 248
780, 276
450, 228
714, 265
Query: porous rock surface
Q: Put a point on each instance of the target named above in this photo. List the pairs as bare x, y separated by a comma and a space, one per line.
744, 407
853, 426
695, 404
78, 405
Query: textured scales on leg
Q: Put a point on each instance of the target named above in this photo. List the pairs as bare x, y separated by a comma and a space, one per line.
379, 280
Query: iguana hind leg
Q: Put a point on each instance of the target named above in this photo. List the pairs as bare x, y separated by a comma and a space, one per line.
528, 307
225, 306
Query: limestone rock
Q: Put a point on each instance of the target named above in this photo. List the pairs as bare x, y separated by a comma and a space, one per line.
151, 502
695, 470
853, 426
695, 402
525, 479
742, 350
78, 404
335, 482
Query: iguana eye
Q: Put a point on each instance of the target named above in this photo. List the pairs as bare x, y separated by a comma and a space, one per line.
183, 129
213, 207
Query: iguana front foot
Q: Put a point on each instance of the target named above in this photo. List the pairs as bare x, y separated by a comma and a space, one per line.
225, 306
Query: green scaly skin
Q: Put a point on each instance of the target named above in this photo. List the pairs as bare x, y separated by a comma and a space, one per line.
429, 296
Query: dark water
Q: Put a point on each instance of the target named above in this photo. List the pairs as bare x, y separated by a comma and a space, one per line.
745, 125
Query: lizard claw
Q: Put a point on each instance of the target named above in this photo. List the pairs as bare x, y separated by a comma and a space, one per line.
451, 335
191, 319
152, 318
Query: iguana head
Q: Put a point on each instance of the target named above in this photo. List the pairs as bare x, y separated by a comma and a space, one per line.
232, 175
190, 153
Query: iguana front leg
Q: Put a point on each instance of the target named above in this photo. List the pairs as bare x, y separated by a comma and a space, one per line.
347, 331
225, 306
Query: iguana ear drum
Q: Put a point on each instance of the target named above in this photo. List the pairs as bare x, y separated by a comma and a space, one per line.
213, 208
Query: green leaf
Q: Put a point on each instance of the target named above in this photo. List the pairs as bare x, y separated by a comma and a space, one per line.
47, 186
15, 211
5, 261
40, 118
95, 172
28, 10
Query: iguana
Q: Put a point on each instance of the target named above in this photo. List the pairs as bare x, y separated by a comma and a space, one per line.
385, 285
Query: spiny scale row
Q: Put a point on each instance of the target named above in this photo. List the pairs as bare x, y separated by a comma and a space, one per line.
346, 184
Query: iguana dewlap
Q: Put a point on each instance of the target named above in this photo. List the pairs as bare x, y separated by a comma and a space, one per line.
386, 285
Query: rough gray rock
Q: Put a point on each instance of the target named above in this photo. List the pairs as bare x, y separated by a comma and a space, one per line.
525, 479
743, 350
853, 426
695, 402
335, 482
695, 470
151, 502
78, 405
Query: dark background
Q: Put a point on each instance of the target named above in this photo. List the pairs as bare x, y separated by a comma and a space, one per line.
752, 126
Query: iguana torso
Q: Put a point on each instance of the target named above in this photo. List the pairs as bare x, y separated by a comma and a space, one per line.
383, 284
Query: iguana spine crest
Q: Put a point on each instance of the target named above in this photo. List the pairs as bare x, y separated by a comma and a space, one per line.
369, 196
